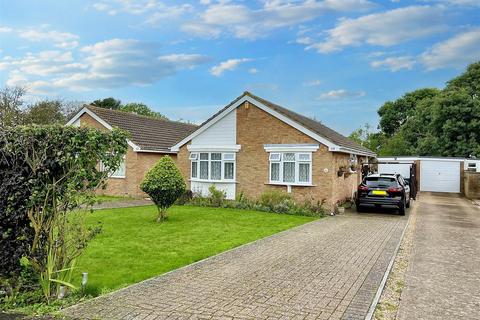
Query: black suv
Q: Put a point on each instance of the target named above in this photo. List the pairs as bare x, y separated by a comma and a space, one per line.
384, 189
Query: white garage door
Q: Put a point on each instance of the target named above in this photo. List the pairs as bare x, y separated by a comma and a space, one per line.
439, 176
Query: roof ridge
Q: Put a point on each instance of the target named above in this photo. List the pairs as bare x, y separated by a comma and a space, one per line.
139, 115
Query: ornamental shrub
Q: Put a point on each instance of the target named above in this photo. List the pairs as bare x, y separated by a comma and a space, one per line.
164, 184
276, 199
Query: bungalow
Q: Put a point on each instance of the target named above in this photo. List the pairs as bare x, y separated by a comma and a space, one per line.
150, 139
253, 145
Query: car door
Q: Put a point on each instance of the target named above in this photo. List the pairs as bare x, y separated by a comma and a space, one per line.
405, 186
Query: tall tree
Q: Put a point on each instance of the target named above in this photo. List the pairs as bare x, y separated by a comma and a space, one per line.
108, 103
46, 112
469, 80
393, 114
142, 109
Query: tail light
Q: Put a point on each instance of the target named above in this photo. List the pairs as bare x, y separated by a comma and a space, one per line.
395, 190
362, 188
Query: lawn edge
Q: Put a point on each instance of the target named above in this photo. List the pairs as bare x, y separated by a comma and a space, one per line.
321, 219
386, 275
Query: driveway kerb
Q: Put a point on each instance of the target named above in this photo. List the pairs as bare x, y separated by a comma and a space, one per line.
378, 295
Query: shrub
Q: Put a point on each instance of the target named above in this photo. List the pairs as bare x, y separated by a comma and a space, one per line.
46, 172
164, 184
217, 197
274, 198
185, 198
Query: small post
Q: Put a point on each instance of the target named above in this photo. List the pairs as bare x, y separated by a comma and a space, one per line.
84, 280
61, 292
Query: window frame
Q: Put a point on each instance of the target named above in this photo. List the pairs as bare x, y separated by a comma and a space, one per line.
114, 174
281, 161
226, 157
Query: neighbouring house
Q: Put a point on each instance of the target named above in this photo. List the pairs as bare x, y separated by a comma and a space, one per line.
253, 145
150, 139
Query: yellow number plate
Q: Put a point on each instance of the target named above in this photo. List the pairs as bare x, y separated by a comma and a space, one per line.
379, 192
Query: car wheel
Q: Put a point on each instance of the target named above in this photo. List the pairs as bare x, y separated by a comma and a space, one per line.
401, 209
358, 207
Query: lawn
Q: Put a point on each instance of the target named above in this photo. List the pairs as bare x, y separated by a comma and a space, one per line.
133, 247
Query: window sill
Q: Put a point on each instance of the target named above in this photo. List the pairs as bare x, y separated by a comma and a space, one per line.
291, 184
212, 181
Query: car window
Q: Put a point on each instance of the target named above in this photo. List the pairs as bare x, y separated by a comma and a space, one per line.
380, 182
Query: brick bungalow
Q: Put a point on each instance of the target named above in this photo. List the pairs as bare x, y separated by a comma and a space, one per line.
150, 139
253, 145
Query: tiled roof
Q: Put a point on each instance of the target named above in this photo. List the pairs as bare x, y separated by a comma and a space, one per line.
147, 133
306, 122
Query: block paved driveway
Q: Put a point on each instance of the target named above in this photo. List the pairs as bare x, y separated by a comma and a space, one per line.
443, 277
326, 269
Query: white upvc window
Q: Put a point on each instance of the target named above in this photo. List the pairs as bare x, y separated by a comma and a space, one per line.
213, 166
291, 168
119, 173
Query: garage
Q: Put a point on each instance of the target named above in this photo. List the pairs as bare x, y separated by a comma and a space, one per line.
440, 176
434, 174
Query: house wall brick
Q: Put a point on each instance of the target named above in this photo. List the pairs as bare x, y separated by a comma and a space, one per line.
137, 165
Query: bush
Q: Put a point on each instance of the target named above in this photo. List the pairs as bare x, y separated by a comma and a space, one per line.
274, 198
217, 197
185, 198
46, 172
164, 184
269, 201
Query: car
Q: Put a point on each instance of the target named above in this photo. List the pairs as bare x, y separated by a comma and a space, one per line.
383, 190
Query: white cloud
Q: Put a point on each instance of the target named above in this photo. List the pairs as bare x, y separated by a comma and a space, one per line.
228, 65
313, 83
383, 29
109, 64
341, 94
473, 3
394, 63
457, 51
155, 11
247, 23
64, 40
5, 30
253, 70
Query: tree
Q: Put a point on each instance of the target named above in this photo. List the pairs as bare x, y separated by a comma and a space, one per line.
142, 109
11, 102
48, 112
164, 184
108, 103
394, 114
469, 80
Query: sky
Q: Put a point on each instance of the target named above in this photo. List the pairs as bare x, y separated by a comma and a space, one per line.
335, 60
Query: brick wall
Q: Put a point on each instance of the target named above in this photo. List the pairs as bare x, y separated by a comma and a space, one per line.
137, 165
471, 184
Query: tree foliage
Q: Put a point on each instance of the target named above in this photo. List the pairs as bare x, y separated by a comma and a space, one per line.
142, 109
138, 108
430, 121
164, 184
11, 102
108, 103
46, 172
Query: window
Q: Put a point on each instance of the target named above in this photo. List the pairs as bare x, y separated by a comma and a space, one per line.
290, 168
119, 173
471, 166
213, 166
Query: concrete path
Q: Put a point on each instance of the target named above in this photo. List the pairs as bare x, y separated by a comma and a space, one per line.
443, 277
327, 269
122, 204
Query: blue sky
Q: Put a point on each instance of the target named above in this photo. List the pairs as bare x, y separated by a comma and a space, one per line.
335, 60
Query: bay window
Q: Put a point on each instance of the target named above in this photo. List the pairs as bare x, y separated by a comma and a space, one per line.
290, 168
212, 166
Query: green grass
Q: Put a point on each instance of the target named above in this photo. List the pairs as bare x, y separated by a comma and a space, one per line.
133, 247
